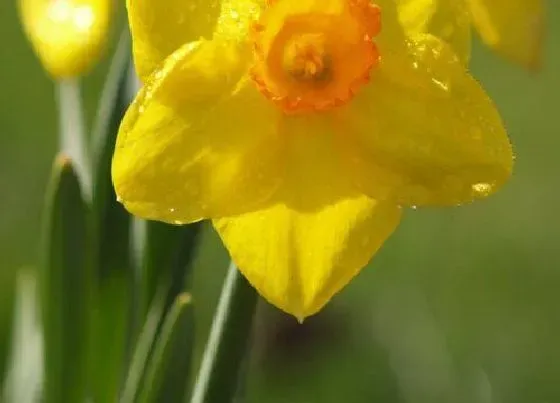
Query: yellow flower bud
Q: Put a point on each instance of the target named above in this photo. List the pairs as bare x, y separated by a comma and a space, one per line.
69, 36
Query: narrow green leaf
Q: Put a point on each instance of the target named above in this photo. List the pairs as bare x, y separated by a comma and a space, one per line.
111, 239
65, 288
227, 344
143, 349
7, 301
25, 373
167, 253
167, 373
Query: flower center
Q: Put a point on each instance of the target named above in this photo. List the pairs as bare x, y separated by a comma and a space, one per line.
307, 60
313, 55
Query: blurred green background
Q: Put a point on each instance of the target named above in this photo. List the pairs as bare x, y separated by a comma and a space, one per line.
461, 305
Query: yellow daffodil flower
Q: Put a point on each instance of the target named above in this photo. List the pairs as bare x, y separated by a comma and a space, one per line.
67, 35
513, 28
300, 127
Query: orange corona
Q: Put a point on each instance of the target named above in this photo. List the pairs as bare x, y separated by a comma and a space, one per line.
313, 55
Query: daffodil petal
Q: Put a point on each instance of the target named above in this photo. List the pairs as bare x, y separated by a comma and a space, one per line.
424, 132
237, 18
69, 36
320, 232
415, 15
447, 19
298, 260
514, 28
160, 28
199, 141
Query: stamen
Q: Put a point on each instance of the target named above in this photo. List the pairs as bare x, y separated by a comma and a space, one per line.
307, 60
312, 58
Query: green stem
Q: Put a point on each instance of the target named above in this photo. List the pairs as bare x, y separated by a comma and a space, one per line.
72, 130
225, 350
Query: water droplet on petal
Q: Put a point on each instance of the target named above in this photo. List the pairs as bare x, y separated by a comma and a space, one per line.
482, 189
441, 84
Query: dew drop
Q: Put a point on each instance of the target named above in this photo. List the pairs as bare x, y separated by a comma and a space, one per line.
441, 84
482, 189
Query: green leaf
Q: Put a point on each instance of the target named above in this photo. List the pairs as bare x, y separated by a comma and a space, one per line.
227, 344
143, 349
167, 253
111, 239
65, 288
25, 373
167, 372
7, 301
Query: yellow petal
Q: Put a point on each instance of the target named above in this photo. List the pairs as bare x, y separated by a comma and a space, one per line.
514, 28
237, 18
415, 15
424, 132
447, 19
160, 27
69, 36
303, 249
199, 140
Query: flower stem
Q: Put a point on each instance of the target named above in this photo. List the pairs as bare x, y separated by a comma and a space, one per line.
223, 357
72, 130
